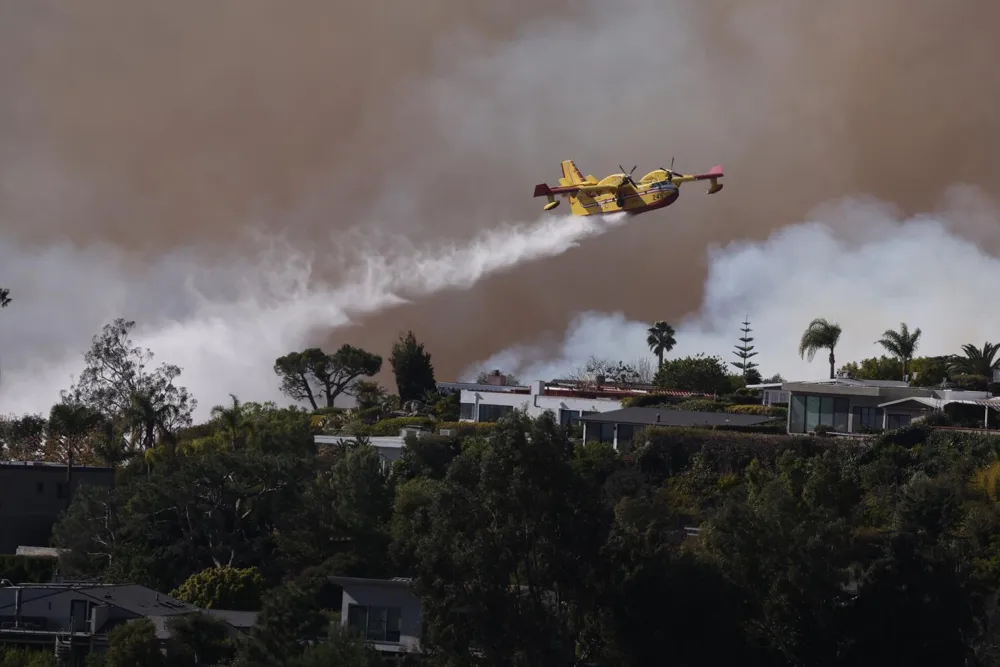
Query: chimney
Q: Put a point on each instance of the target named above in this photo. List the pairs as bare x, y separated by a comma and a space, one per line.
496, 378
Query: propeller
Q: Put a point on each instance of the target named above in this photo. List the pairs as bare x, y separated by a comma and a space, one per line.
628, 176
670, 172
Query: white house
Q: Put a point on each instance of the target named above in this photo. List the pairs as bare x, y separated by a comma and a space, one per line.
386, 612
483, 403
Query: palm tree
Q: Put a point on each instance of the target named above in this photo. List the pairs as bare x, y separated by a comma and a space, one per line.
147, 418
660, 339
901, 344
233, 421
820, 335
977, 361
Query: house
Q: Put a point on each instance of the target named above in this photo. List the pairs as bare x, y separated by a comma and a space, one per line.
621, 427
387, 612
850, 406
75, 618
390, 447
34, 493
568, 400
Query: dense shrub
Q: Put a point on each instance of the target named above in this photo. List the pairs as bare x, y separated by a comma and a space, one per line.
394, 425
761, 410
26, 569
223, 588
652, 401
467, 428
702, 405
661, 452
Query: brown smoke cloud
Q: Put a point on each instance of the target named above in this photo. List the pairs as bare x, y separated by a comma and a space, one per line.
150, 126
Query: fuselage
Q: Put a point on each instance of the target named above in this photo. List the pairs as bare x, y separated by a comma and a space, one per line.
633, 200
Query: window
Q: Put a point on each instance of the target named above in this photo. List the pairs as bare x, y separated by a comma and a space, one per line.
568, 417
865, 417
491, 413
467, 411
376, 624
897, 421
626, 433
808, 412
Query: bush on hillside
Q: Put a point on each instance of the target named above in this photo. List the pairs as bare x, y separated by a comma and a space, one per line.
761, 410
394, 425
468, 428
27, 569
702, 405
652, 401
662, 452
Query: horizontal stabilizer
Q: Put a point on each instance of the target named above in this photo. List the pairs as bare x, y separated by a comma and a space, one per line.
714, 172
541, 190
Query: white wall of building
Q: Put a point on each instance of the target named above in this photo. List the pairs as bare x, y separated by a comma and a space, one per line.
535, 403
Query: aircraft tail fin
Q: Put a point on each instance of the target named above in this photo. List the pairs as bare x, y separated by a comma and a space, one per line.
571, 175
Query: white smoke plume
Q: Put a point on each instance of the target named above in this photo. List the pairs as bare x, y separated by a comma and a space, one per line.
225, 327
856, 262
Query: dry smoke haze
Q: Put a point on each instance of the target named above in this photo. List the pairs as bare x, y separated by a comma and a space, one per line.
247, 178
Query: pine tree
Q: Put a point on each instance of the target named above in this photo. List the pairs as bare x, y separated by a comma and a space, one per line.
745, 350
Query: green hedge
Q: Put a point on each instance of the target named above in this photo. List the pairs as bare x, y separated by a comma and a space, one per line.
394, 425
468, 428
702, 405
761, 410
27, 569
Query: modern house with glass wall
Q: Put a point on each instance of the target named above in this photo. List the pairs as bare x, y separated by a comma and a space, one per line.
860, 406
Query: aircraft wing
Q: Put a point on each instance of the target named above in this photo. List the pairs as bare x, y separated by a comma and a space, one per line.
543, 190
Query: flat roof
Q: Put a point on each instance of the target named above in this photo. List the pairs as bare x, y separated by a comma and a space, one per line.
50, 465
664, 417
395, 582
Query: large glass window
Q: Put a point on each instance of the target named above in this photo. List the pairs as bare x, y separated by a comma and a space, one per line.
467, 411
897, 421
867, 417
808, 412
376, 624
797, 414
491, 413
568, 417
812, 412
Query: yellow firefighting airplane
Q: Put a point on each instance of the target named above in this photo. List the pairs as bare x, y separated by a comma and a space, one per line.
618, 192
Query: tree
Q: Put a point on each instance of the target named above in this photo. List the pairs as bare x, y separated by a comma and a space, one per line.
75, 434
312, 373
134, 644
413, 369
697, 374
233, 421
23, 438
820, 335
223, 588
901, 344
873, 368
117, 383
977, 361
745, 351
660, 339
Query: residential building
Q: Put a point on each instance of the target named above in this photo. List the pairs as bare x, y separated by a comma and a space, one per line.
850, 406
75, 618
771, 393
568, 400
33, 494
387, 612
390, 447
622, 427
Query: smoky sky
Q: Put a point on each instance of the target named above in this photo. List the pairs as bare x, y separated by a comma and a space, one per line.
155, 128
